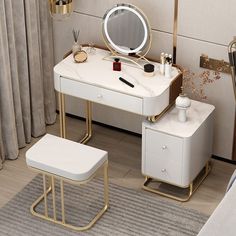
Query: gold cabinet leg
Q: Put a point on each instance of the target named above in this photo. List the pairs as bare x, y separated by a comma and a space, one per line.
62, 116
88, 133
191, 188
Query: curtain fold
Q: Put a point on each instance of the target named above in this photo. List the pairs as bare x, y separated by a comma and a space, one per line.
27, 98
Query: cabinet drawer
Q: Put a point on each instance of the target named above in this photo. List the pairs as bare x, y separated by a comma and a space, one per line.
101, 95
163, 156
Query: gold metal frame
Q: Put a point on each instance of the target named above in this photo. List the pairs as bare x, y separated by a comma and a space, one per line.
154, 119
51, 189
214, 64
172, 96
146, 49
175, 25
60, 9
192, 187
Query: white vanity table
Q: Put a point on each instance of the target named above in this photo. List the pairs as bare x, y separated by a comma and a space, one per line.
95, 81
126, 31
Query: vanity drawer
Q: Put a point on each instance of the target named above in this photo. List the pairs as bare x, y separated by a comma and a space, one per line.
163, 156
103, 96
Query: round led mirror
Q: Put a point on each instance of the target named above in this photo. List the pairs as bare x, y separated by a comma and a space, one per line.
126, 30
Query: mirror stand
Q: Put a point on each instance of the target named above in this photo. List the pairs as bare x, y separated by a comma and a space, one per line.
135, 61
127, 34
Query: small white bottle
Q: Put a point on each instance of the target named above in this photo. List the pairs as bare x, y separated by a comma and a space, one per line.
162, 65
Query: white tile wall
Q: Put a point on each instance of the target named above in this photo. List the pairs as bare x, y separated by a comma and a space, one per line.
159, 12
90, 31
210, 20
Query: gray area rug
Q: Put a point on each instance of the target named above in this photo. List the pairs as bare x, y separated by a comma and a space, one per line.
130, 213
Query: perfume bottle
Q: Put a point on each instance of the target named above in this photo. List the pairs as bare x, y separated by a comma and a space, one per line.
117, 64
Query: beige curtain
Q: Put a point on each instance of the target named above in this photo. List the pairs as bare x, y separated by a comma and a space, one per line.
27, 99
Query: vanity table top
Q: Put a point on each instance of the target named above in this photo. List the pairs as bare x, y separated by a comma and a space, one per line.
98, 71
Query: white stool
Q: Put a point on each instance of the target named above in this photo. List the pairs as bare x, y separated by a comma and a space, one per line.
70, 162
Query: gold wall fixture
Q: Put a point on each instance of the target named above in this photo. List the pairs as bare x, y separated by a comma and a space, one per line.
214, 64
176, 6
60, 8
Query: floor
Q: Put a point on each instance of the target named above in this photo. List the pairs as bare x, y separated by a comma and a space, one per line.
124, 166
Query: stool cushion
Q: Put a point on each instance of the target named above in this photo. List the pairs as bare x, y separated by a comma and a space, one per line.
65, 158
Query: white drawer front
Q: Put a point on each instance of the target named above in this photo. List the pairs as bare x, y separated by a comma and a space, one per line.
101, 95
163, 156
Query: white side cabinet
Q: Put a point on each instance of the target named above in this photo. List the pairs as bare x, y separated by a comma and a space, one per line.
176, 152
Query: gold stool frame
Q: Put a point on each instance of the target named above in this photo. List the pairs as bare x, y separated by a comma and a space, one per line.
191, 186
51, 189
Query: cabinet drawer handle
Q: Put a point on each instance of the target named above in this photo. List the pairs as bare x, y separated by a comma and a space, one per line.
164, 147
99, 96
163, 170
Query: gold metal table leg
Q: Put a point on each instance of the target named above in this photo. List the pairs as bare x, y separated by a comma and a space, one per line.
191, 188
88, 133
54, 199
62, 202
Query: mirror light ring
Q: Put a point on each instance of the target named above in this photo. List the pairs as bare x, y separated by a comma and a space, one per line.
121, 50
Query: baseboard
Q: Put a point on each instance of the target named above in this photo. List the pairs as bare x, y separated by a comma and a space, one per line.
223, 159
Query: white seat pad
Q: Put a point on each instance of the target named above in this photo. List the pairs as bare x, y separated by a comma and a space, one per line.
65, 158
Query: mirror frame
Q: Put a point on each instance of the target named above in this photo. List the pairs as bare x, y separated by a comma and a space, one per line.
144, 47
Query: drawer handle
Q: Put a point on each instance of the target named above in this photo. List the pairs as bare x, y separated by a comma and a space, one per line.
163, 170
164, 147
99, 96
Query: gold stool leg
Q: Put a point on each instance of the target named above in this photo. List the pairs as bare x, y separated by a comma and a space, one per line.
191, 188
54, 199
52, 189
88, 133
62, 116
45, 195
62, 202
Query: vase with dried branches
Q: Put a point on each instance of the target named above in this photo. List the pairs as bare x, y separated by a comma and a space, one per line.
76, 46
